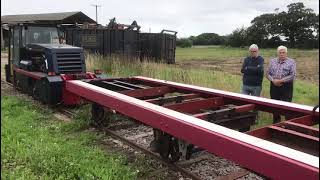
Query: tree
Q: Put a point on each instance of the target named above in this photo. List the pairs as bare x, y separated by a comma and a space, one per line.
262, 29
237, 38
297, 25
184, 42
207, 39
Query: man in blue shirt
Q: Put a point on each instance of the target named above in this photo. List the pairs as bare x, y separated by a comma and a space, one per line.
252, 69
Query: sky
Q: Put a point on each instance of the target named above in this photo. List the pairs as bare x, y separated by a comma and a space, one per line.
187, 17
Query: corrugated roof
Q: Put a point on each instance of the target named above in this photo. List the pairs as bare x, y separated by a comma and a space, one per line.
63, 17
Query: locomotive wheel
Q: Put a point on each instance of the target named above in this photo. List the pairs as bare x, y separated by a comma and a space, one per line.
99, 115
40, 90
31, 86
14, 79
35, 91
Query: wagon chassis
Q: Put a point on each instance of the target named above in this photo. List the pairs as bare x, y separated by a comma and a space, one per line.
191, 115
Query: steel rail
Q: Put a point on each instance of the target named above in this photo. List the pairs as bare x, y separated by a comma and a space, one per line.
175, 166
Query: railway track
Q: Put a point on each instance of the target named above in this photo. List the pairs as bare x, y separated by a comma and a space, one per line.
137, 136
165, 129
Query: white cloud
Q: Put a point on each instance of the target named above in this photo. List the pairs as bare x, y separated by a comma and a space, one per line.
188, 17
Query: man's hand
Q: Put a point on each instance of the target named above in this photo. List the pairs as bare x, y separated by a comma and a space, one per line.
277, 82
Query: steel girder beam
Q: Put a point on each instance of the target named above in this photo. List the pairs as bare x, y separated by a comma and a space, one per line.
298, 113
196, 105
244, 108
295, 134
236, 109
264, 131
307, 120
118, 86
300, 128
148, 92
129, 84
179, 98
241, 148
262, 104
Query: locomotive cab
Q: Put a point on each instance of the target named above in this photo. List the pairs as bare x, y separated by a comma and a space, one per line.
37, 61
23, 35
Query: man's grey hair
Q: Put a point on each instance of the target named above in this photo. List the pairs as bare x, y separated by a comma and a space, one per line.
282, 48
253, 46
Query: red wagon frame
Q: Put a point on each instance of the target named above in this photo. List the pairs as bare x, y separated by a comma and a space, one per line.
255, 150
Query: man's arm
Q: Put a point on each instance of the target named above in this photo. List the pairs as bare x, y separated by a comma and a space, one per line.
256, 70
262, 67
269, 72
292, 74
244, 64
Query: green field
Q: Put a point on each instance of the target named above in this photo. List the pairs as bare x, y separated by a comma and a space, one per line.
35, 145
304, 91
230, 60
221, 52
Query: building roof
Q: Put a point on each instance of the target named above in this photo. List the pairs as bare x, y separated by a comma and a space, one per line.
51, 18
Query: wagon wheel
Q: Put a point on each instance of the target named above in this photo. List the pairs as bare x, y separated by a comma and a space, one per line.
189, 151
174, 150
166, 145
160, 144
169, 149
98, 115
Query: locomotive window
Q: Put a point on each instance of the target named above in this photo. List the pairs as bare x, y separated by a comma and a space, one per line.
44, 35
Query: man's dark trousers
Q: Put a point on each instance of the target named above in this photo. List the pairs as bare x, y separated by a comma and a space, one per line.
283, 93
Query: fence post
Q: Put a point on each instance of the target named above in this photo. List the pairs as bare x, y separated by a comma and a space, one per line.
2, 42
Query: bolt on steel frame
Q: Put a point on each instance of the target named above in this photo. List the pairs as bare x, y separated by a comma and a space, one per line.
208, 118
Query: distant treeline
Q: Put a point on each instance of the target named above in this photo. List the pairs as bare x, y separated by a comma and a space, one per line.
298, 27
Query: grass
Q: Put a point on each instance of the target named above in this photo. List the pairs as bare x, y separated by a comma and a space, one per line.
230, 60
304, 92
221, 52
34, 145
4, 50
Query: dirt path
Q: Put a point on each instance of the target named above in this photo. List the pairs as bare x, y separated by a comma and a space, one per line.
307, 69
4, 61
5, 88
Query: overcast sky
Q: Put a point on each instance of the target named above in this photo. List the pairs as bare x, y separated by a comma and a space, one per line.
188, 17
